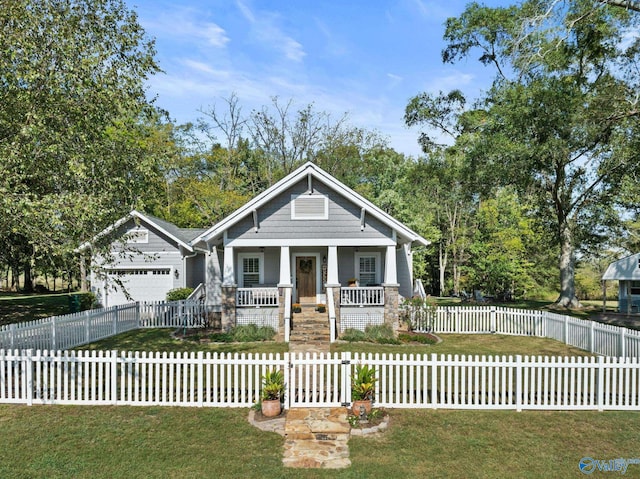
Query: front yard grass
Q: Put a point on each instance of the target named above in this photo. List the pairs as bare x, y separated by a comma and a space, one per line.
171, 442
487, 344
16, 308
161, 340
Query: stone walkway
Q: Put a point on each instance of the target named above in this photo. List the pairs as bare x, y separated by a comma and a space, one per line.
317, 438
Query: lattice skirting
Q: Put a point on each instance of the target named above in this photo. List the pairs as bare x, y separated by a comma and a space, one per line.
259, 317
360, 320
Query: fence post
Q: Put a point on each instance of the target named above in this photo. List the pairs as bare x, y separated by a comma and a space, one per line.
287, 380
434, 381
592, 337
492, 318
623, 343
457, 320
138, 324
519, 383
565, 335
54, 344
115, 323
200, 378
114, 377
87, 320
12, 330
600, 384
28, 365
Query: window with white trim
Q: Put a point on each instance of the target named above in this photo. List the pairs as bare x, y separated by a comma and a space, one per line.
635, 288
137, 235
250, 269
368, 269
309, 207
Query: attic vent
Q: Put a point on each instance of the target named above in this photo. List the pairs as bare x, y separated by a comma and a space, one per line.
309, 207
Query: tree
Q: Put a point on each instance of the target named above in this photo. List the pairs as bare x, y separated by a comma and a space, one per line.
75, 122
557, 125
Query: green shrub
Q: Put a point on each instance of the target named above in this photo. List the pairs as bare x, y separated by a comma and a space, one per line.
252, 332
418, 338
87, 301
381, 334
353, 335
179, 294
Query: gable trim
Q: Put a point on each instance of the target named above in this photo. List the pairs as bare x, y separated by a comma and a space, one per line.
142, 218
288, 181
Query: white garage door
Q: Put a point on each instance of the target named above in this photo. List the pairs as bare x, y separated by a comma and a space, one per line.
141, 284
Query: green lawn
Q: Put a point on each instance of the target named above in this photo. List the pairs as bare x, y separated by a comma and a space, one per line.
165, 442
487, 344
16, 308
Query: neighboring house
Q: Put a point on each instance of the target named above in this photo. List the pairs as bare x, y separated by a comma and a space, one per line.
300, 241
627, 272
149, 257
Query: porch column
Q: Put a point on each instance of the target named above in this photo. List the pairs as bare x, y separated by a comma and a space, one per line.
213, 281
229, 287
391, 288
285, 288
390, 266
333, 283
332, 266
285, 267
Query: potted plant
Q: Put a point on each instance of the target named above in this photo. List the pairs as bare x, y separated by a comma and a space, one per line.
272, 392
353, 282
321, 308
297, 308
363, 383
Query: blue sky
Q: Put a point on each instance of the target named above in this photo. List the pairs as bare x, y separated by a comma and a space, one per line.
364, 58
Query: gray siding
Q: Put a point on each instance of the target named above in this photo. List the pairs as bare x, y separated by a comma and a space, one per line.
404, 270
195, 270
275, 219
157, 241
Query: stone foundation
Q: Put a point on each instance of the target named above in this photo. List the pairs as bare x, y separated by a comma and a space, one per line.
228, 318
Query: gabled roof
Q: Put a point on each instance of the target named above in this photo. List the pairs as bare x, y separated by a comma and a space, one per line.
624, 269
182, 236
294, 177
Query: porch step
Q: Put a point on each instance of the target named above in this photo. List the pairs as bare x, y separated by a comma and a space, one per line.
310, 330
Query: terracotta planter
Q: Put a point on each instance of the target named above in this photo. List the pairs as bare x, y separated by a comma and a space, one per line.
271, 407
355, 407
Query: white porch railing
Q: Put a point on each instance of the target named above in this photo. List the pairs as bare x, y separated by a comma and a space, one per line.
257, 297
362, 296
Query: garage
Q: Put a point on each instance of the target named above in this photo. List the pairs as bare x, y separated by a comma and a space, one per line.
143, 284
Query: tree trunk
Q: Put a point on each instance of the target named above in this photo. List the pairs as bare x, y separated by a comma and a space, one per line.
567, 296
83, 274
442, 266
28, 280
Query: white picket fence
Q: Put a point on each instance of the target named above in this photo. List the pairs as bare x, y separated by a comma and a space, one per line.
71, 330
234, 380
598, 338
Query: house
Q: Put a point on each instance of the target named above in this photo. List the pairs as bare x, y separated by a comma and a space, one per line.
149, 257
300, 241
627, 272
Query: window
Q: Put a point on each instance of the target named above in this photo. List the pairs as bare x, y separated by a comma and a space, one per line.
635, 287
137, 235
368, 268
309, 207
251, 272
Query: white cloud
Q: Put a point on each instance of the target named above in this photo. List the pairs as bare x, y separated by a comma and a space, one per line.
183, 23
215, 35
449, 82
267, 32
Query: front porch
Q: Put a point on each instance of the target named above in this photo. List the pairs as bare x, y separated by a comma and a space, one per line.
357, 285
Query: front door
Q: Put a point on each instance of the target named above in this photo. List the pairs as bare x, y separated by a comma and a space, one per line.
306, 279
